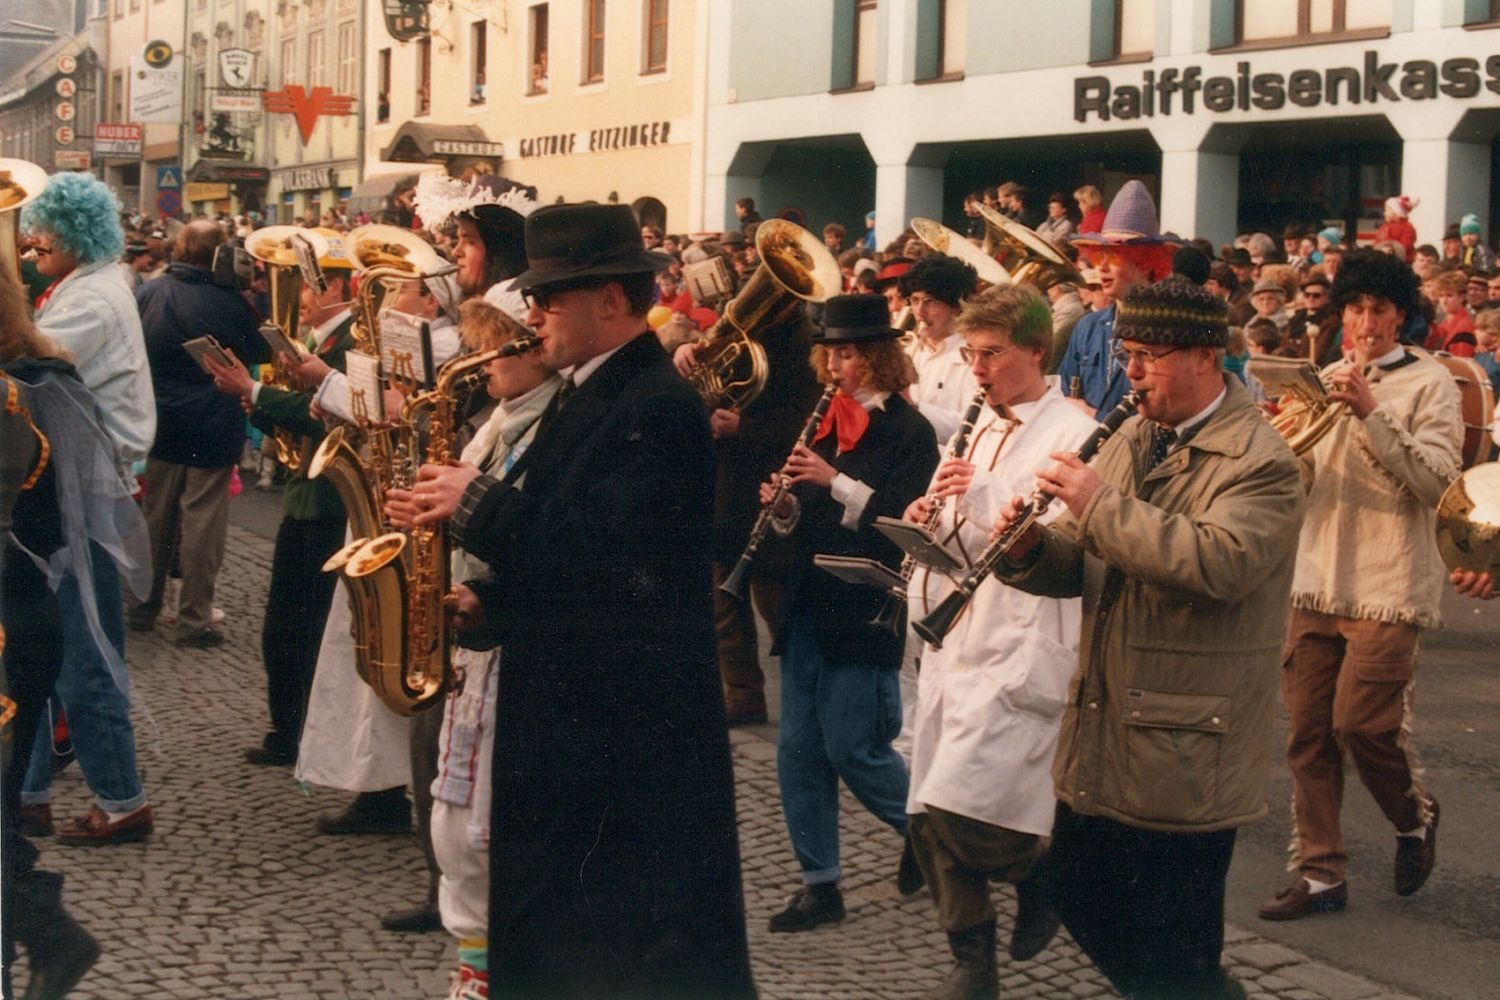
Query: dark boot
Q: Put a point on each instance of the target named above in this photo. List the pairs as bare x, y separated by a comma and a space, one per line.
909, 877
974, 975
1036, 921
813, 905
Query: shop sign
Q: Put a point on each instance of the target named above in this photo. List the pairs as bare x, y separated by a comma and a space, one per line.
64, 135
156, 93
405, 20
66, 87
230, 99
461, 147
637, 135
194, 191
307, 179
236, 67
67, 64
1171, 90
72, 159
117, 139
307, 107
65, 111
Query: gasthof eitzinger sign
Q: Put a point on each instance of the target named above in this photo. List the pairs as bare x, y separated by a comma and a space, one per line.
1171, 90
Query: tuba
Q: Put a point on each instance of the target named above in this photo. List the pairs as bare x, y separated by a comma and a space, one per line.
290, 254
20, 182
952, 244
1029, 259
731, 368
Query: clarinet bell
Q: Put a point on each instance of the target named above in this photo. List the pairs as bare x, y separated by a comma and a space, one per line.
734, 584
939, 623
892, 614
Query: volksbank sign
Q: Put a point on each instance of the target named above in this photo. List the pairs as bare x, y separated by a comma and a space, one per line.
1173, 91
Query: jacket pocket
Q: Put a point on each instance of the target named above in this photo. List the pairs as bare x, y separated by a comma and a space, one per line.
1173, 743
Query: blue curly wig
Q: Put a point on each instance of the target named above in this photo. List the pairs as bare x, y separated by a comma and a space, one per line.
81, 213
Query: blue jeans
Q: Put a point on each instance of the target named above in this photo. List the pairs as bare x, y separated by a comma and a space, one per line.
98, 711
837, 721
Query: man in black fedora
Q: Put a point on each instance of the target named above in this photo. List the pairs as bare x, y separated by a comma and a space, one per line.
614, 860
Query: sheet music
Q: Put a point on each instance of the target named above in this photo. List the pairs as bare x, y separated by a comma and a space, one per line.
401, 347
363, 372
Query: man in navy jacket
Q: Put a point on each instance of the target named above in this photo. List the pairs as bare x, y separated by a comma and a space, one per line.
200, 431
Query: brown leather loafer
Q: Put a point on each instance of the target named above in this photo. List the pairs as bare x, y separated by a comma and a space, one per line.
95, 828
1415, 858
1298, 901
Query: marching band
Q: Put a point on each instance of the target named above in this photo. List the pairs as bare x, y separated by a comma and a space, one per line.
1092, 600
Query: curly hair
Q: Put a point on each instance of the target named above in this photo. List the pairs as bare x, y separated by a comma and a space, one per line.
945, 278
1370, 272
883, 365
82, 214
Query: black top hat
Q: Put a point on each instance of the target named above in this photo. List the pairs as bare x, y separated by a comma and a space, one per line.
849, 319
1238, 257
568, 242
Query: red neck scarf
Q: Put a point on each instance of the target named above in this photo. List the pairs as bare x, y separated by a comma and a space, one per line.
847, 418
47, 293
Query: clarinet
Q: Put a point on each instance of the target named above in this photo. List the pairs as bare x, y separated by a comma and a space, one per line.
734, 585
893, 612
940, 622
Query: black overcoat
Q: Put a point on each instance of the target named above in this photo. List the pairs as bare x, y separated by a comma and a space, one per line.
615, 864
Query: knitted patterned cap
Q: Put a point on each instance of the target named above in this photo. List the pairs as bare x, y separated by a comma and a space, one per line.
1173, 312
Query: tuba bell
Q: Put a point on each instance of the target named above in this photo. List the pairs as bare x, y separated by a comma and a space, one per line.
20, 182
1029, 259
291, 255
731, 368
952, 244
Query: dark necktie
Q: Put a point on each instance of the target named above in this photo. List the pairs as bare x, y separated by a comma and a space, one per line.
565, 391
1162, 440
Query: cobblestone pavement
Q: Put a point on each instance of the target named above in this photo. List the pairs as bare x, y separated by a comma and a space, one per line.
236, 897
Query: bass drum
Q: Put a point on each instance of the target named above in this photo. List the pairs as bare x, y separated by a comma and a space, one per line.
1478, 402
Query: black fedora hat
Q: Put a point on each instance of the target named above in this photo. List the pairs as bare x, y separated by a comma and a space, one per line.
849, 319
567, 242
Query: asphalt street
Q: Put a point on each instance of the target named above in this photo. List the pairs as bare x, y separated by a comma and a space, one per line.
235, 896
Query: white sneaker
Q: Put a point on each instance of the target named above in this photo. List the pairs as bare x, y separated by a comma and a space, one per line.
216, 616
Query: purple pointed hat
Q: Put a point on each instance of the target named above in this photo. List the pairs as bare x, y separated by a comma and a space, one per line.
1130, 229
1131, 219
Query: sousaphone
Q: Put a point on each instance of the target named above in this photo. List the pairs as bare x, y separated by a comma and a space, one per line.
945, 241
394, 253
20, 182
1029, 259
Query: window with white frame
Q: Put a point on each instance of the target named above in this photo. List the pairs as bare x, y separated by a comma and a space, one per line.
348, 82
1270, 21
866, 35
316, 62
593, 41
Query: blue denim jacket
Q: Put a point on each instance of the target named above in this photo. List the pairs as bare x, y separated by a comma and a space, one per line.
1088, 356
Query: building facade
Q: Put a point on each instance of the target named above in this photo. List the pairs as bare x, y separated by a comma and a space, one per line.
224, 144
588, 100
1239, 114
132, 24
50, 93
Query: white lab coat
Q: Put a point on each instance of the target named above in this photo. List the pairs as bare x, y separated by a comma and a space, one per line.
991, 700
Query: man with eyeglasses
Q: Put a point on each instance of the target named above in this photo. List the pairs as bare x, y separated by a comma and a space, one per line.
615, 868
1309, 333
935, 288
1181, 538
991, 698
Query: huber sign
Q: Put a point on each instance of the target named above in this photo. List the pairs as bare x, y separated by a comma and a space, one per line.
1181, 91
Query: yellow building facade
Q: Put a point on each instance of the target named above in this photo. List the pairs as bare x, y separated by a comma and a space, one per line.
588, 100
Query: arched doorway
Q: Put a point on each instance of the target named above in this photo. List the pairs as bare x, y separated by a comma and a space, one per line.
651, 212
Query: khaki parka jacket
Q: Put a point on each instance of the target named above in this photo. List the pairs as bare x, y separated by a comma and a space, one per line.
1185, 572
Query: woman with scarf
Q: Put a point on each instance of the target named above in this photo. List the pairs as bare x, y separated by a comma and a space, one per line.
871, 456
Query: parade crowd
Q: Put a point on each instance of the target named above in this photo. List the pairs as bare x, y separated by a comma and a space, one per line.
1065, 679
